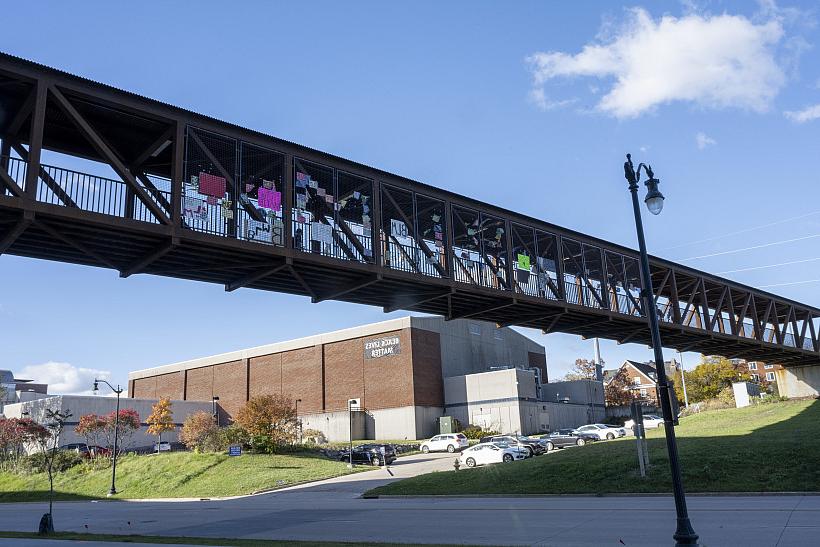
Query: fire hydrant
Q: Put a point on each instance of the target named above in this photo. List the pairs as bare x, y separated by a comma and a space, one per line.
456, 464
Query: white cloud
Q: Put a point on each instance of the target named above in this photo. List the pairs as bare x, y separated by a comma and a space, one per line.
806, 115
541, 100
703, 140
63, 378
711, 61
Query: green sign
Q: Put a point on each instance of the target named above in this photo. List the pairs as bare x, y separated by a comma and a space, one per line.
523, 262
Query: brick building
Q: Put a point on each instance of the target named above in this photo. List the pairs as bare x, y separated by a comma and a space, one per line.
396, 368
642, 379
759, 372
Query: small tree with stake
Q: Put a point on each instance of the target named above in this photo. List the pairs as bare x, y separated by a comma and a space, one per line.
46, 437
161, 419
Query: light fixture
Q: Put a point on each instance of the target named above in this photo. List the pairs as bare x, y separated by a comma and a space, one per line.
654, 198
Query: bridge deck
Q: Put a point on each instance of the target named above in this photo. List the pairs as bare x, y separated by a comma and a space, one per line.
169, 192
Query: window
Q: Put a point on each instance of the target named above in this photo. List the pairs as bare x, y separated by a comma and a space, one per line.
636, 381
770, 376
752, 366
755, 377
767, 367
643, 393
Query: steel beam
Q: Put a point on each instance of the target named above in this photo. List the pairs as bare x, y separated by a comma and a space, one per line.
410, 300
347, 288
253, 277
149, 259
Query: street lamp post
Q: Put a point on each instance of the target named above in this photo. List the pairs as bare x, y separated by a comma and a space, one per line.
298, 421
118, 391
214, 399
683, 380
684, 534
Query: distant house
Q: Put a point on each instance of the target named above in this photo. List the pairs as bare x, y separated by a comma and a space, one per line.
642, 379
759, 372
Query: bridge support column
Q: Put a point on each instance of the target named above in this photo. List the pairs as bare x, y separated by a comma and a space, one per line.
799, 381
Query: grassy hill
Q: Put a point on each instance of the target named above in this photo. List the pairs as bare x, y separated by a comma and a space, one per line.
767, 448
175, 475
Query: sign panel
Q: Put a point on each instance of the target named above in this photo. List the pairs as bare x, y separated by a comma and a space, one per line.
235, 450
382, 347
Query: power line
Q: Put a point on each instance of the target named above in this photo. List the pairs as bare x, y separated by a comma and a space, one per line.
770, 266
790, 283
733, 251
744, 231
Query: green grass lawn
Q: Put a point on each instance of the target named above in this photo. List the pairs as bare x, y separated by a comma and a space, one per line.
175, 475
766, 448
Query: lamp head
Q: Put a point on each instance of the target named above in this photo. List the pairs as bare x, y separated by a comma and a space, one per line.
654, 198
96, 386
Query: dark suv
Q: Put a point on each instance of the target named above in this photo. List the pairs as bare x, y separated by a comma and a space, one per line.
370, 454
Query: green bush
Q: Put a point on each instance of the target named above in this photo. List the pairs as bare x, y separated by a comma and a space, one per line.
475, 432
63, 460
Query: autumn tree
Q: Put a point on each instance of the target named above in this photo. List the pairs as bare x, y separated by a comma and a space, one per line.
583, 369
617, 392
46, 436
161, 419
270, 420
90, 427
129, 424
13, 435
200, 432
710, 377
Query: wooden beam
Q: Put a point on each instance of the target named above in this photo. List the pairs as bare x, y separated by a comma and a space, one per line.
408, 301
108, 154
150, 258
76, 244
49, 181
253, 277
347, 288
16, 231
479, 310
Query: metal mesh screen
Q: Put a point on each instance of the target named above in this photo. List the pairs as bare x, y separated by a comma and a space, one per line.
261, 195
209, 192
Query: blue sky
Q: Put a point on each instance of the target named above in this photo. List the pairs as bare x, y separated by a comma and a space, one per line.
529, 105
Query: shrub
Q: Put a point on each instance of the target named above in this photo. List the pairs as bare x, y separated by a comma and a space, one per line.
63, 460
313, 436
270, 421
200, 433
233, 434
475, 432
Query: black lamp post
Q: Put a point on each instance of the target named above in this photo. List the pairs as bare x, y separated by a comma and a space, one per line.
118, 391
684, 534
214, 399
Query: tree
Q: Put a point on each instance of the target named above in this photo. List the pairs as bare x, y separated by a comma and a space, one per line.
13, 435
161, 419
200, 432
270, 420
91, 427
583, 369
46, 437
617, 392
711, 376
129, 424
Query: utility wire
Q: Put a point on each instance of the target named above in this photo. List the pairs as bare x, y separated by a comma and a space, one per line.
744, 231
769, 266
790, 283
733, 251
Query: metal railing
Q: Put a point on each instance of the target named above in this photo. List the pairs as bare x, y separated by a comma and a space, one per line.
98, 194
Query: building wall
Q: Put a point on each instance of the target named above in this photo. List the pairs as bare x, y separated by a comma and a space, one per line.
79, 405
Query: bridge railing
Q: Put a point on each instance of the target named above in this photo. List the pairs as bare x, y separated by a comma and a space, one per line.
16, 170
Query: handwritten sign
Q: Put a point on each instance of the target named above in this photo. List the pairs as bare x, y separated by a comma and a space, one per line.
382, 347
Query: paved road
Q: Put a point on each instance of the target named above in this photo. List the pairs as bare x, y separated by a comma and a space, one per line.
332, 510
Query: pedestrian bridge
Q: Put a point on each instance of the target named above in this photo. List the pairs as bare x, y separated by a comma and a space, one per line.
93, 175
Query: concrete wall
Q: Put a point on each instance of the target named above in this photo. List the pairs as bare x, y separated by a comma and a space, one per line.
799, 381
468, 346
80, 405
576, 391
336, 425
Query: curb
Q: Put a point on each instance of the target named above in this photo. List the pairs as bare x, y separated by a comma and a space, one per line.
607, 495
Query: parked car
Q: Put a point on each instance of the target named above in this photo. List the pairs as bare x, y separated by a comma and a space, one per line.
603, 431
531, 446
650, 421
567, 437
99, 451
370, 454
164, 446
79, 448
451, 442
486, 453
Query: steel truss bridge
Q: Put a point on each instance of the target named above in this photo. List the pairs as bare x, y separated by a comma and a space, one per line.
166, 191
